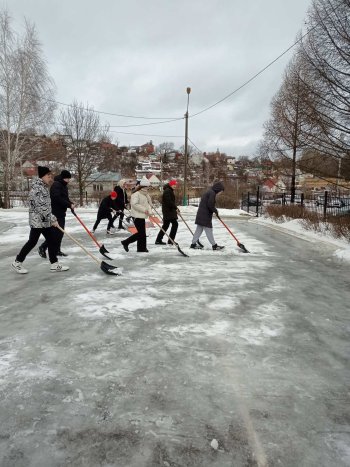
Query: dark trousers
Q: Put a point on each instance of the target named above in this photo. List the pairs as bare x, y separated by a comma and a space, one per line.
121, 217
140, 236
173, 230
104, 216
59, 235
50, 236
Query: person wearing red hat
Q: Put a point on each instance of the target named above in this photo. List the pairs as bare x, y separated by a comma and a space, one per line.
170, 211
105, 210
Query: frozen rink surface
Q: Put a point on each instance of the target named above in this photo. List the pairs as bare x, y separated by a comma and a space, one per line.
220, 359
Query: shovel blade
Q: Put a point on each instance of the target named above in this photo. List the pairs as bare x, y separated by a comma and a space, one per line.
109, 269
180, 251
103, 251
242, 247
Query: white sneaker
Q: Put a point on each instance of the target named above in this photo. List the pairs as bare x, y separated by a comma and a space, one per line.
57, 267
17, 266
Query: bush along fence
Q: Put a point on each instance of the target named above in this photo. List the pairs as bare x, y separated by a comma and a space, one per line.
324, 204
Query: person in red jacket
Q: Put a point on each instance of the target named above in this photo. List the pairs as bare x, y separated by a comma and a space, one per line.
105, 210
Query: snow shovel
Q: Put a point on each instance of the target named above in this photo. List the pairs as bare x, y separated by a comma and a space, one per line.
128, 218
103, 249
189, 228
241, 246
156, 221
106, 268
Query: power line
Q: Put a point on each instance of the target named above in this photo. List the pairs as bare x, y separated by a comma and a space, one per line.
142, 134
146, 124
261, 71
104, 113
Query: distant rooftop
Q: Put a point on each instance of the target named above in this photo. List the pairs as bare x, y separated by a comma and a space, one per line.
104, 176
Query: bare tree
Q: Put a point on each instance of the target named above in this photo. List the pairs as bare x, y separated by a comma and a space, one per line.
26, 94
82, 125
289, 130
165, 147
326, 56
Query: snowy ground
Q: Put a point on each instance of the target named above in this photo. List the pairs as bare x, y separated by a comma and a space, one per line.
220, 359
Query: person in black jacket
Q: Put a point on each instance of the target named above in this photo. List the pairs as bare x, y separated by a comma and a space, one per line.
60, 202
120, 202
105, 210
170, 211
204, 216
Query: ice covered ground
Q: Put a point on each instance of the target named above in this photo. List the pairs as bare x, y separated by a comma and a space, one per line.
219, 359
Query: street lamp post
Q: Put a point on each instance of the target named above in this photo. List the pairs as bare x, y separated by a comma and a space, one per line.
184, 200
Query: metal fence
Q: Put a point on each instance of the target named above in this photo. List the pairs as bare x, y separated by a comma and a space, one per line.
323, 203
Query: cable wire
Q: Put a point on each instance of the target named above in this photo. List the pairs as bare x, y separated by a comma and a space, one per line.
261, 71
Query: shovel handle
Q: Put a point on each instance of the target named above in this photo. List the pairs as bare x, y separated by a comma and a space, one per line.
183, 220
79, 244
223, 223
87, 230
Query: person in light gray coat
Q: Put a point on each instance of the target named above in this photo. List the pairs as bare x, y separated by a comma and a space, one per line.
204, 216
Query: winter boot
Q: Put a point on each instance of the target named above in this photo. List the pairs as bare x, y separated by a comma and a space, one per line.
217, 247
17, 266
60, 253
125, 246
159, 242
195, 246
42, 252
109, 232
57, 267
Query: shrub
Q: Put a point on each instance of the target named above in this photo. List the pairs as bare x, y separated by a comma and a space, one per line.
338, 226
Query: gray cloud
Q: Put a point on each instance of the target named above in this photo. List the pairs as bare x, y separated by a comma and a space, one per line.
138, 57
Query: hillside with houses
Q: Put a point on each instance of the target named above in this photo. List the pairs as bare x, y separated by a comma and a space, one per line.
115, 162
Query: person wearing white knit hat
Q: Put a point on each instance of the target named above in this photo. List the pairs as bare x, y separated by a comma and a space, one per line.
141, 208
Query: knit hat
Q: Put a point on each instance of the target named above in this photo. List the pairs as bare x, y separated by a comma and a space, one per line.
113, 194
66, 174
42, 171
172, 183
218, 186
145, 182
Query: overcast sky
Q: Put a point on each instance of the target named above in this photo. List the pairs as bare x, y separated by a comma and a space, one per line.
137, 57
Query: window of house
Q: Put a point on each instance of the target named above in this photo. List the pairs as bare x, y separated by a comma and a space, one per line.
97, 187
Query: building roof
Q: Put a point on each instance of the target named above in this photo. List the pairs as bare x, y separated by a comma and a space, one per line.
104, 177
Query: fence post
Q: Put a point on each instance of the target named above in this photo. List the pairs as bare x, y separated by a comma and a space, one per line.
283, 199
86, 198
325, 205
248, 202
302, 200
257, 201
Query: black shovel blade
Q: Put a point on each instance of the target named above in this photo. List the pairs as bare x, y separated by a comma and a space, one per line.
199, 243
103, 251
180, 251
108, 269
242, 247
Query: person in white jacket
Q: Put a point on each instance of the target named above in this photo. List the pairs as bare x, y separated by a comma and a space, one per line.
141, 208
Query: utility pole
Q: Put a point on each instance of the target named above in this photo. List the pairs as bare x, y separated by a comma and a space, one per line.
185, 200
